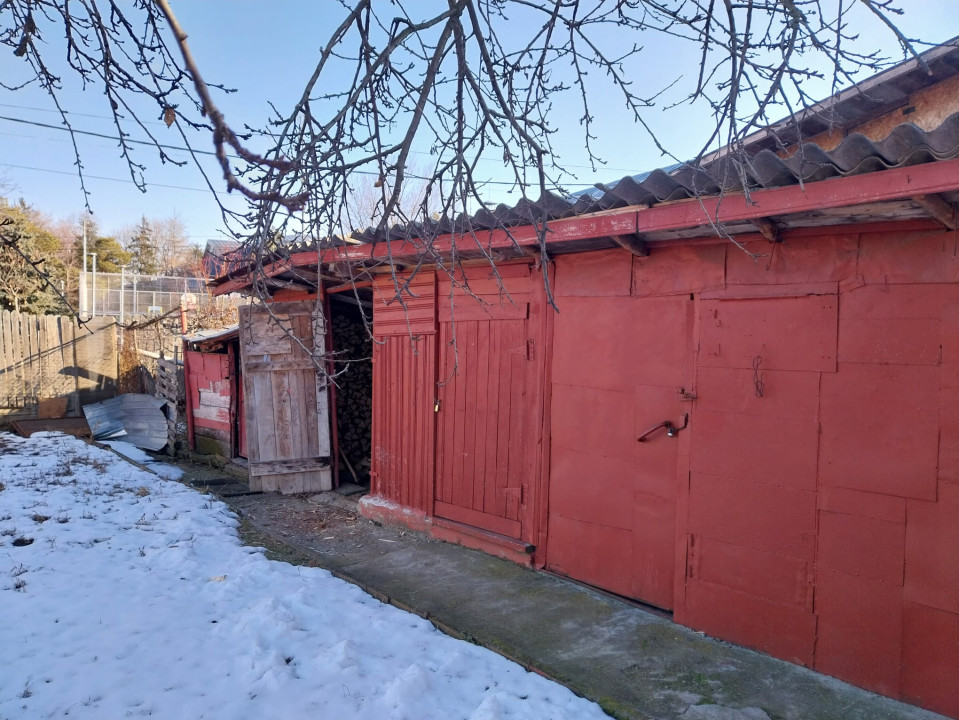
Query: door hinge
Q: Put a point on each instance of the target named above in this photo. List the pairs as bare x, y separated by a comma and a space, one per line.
530, 348
523, 490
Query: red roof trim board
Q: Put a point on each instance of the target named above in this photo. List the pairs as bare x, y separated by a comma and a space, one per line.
887, 185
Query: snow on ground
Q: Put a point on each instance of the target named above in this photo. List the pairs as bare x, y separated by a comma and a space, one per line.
132, 452
135, 598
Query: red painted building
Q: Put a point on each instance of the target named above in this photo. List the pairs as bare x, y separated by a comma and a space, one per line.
757, 430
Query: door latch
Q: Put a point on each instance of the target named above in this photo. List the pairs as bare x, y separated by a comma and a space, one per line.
671, 430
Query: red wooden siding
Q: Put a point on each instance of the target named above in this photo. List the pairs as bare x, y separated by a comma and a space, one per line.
487, 448
404, 393
209, 384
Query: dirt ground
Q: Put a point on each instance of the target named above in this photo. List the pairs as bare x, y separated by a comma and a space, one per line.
328, 524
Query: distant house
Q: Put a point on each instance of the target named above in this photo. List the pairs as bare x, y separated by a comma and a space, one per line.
756, 429
220, 257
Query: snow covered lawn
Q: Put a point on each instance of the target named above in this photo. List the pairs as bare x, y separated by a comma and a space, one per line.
126, 595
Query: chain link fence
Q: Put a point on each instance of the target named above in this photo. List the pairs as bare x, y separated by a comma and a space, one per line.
127, 295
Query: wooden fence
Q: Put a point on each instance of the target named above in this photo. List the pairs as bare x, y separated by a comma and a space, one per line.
49, 367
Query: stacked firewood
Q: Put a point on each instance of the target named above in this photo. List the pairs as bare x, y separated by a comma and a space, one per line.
353, 350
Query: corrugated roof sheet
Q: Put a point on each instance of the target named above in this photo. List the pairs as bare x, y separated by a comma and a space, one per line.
907, 144
214, 334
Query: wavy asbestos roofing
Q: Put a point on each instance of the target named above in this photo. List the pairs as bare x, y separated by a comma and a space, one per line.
907, 144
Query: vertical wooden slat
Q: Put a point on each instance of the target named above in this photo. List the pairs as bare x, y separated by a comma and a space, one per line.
469, 432
482, 415
504, 431
520, 445
495, 378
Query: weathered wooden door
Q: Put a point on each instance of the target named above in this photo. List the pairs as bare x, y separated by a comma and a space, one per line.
619, 367
285, 398
487, 432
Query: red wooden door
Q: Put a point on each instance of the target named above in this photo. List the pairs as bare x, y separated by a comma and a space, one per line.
487, 424
619, 365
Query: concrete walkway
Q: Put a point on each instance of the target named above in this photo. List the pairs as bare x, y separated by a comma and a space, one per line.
634, 663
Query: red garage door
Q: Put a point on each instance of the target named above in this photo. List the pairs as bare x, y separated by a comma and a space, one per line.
619, 366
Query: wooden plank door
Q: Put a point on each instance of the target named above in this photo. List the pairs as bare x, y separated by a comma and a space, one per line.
487, 421
619, 366
285, 398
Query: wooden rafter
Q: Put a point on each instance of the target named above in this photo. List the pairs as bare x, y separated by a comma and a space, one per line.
768, 229
939, 209
632, 242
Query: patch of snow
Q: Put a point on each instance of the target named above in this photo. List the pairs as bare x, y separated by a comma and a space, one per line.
132, 452
136, 598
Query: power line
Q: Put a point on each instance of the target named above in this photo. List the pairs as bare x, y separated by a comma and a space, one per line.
104, 136
100, 177
149, 122
149, 143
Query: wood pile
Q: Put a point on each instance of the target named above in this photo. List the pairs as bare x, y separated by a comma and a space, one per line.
352, 352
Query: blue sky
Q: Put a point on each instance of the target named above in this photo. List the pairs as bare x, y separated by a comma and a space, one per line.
266, 50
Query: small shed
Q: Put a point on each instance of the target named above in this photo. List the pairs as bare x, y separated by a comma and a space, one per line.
756, 430
214, 392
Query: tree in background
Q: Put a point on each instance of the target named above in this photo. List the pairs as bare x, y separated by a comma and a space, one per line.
110, 253
172, 243
29, 262
142, 248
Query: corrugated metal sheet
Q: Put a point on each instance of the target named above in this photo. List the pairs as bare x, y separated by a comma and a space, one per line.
136, 419
227, 333
908, 144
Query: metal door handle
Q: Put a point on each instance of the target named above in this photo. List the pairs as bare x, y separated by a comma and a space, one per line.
671, 430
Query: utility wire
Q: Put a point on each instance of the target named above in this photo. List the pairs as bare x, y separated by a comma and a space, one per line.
149, 143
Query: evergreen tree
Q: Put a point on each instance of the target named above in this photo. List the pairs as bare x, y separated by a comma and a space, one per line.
143, 250
23, 242
110, 254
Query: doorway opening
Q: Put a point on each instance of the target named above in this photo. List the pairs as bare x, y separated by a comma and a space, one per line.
352, 352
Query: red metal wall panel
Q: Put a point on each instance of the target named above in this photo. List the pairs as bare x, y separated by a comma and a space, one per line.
764, 517
810, 259
861, 546
878, 429
679, 271
859, 630
908, 257
595, 274
786, 632
932, 550
949, 396
930, 658
791, 333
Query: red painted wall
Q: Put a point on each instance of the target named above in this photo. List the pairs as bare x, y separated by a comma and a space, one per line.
818, 516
